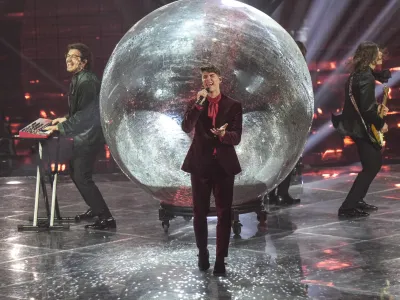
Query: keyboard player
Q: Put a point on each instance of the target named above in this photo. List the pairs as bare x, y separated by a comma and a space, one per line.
83, 123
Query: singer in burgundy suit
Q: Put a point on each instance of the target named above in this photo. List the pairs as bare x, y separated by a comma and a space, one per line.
212, 163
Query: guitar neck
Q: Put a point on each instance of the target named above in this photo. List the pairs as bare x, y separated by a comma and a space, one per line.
384, 101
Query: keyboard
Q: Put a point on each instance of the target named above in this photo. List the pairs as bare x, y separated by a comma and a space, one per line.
35, 130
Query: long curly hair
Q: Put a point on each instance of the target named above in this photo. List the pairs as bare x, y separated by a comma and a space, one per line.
365, 54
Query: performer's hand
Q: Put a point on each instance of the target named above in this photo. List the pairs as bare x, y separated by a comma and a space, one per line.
219, 131
383, 108
58, 120
51, 128
203, 93
384, 128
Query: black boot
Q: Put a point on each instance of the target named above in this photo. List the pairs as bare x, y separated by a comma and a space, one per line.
219, 267
362, 205
351, 213
88, 215
103, 224
203, 261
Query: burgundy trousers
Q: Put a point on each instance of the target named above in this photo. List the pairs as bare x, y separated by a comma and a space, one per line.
221, 184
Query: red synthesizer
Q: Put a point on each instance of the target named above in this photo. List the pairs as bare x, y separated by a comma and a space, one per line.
35, 130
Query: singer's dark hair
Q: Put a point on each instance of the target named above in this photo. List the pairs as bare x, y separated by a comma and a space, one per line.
86, 54
365, 54
210, 69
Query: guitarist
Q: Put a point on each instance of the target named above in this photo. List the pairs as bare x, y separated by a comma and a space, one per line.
361, 88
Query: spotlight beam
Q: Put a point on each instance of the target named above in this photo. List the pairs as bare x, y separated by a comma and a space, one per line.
324, 19
373, 30
392, 82
321, 134
36, 66
329, 54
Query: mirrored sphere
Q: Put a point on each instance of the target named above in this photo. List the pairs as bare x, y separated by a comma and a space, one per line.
154, 72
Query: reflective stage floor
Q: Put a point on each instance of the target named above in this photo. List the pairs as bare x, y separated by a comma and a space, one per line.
304, 252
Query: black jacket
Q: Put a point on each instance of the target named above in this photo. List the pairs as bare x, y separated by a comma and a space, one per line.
83, 121
200, 155
349, 123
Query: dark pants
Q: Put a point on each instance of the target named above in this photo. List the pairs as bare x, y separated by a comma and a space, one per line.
221, 184
283, 188
371, 161
81, 168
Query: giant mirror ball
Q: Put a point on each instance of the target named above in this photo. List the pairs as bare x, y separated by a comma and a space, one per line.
154, 72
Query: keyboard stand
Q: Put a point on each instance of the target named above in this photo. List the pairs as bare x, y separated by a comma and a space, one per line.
45, 224
53, 214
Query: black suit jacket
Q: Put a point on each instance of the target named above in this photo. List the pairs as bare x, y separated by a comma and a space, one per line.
349, 122
200, 155
83, 120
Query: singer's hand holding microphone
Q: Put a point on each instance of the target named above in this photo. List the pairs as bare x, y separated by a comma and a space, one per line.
201, 96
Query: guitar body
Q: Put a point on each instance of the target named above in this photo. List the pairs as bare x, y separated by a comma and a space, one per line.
378, 135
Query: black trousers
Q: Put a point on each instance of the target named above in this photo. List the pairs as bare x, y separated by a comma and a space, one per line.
283, 188
221, 184
371, 161
81, 170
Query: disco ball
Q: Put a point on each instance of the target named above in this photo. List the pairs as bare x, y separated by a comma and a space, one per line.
154, 72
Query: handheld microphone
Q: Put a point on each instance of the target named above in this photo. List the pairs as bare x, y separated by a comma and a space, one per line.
202, 97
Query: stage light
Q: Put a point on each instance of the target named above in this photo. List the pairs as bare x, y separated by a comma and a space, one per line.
43, 114
13, 182
348, 141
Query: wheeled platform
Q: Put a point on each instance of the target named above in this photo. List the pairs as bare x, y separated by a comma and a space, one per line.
167, 212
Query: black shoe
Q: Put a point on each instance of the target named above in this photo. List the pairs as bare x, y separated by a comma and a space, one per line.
85, 216
289, 200
103, 224
362, 205
203, 262
219, 268
352, 213
286, 200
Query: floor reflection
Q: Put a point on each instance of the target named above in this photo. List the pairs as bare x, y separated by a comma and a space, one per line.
303, 252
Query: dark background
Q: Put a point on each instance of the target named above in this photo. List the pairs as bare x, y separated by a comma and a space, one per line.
34, 35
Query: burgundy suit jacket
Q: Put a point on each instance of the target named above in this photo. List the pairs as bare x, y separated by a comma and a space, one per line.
199, 158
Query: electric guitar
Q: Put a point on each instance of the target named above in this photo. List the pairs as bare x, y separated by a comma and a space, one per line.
378, 135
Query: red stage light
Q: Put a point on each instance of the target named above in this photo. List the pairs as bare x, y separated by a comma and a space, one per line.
43, 114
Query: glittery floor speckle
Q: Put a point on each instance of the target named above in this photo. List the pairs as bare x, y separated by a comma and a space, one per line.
303, 252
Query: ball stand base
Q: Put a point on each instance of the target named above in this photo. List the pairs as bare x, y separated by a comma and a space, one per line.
167, 212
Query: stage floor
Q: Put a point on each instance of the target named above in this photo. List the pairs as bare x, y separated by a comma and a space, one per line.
305, 252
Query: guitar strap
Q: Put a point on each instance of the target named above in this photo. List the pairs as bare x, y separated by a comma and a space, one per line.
358, 111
